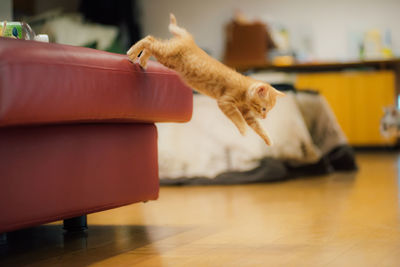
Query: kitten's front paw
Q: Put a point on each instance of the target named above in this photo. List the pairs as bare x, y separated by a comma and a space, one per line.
242, 131
268, 141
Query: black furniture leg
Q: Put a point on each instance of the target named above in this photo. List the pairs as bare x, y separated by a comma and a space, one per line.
3, 239
76, 224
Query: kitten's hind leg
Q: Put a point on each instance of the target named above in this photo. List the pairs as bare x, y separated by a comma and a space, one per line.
144, 57
230, 110
135, 50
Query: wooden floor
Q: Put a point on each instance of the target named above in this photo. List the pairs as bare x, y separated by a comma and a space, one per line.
343, 219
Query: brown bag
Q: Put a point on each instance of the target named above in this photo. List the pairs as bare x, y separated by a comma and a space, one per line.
247, 44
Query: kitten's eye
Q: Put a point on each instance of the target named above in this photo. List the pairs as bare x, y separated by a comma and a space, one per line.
264, 109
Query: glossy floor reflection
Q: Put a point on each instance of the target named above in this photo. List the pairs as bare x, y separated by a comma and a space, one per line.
342, 219
50, 244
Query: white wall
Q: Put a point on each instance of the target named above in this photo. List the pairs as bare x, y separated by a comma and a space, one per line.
328, 23
6, 10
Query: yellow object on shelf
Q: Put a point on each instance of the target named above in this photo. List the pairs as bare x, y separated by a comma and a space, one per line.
357, 99
283, 61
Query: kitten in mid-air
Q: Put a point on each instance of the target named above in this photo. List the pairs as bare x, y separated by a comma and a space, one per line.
242, 99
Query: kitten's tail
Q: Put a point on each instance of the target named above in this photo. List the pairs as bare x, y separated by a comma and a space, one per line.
175, 29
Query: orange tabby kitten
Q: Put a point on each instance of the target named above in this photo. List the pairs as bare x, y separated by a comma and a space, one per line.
242, 99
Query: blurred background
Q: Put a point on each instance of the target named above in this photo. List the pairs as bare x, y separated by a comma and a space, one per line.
314, 29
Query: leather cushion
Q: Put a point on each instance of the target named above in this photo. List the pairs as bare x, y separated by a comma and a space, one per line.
43, 83
56, 172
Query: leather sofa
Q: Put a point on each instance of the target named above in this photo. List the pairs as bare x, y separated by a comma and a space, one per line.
77, 132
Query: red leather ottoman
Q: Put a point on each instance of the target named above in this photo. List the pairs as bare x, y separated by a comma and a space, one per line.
77, 131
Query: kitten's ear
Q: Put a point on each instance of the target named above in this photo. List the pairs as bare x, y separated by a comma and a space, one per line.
261, 91
279, 93
264, 91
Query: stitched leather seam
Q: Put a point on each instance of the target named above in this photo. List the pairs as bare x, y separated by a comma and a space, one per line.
91, 120
4, 64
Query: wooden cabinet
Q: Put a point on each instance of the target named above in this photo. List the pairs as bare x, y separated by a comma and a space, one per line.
357, 99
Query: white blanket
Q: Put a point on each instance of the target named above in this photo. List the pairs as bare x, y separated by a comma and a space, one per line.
210, 144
